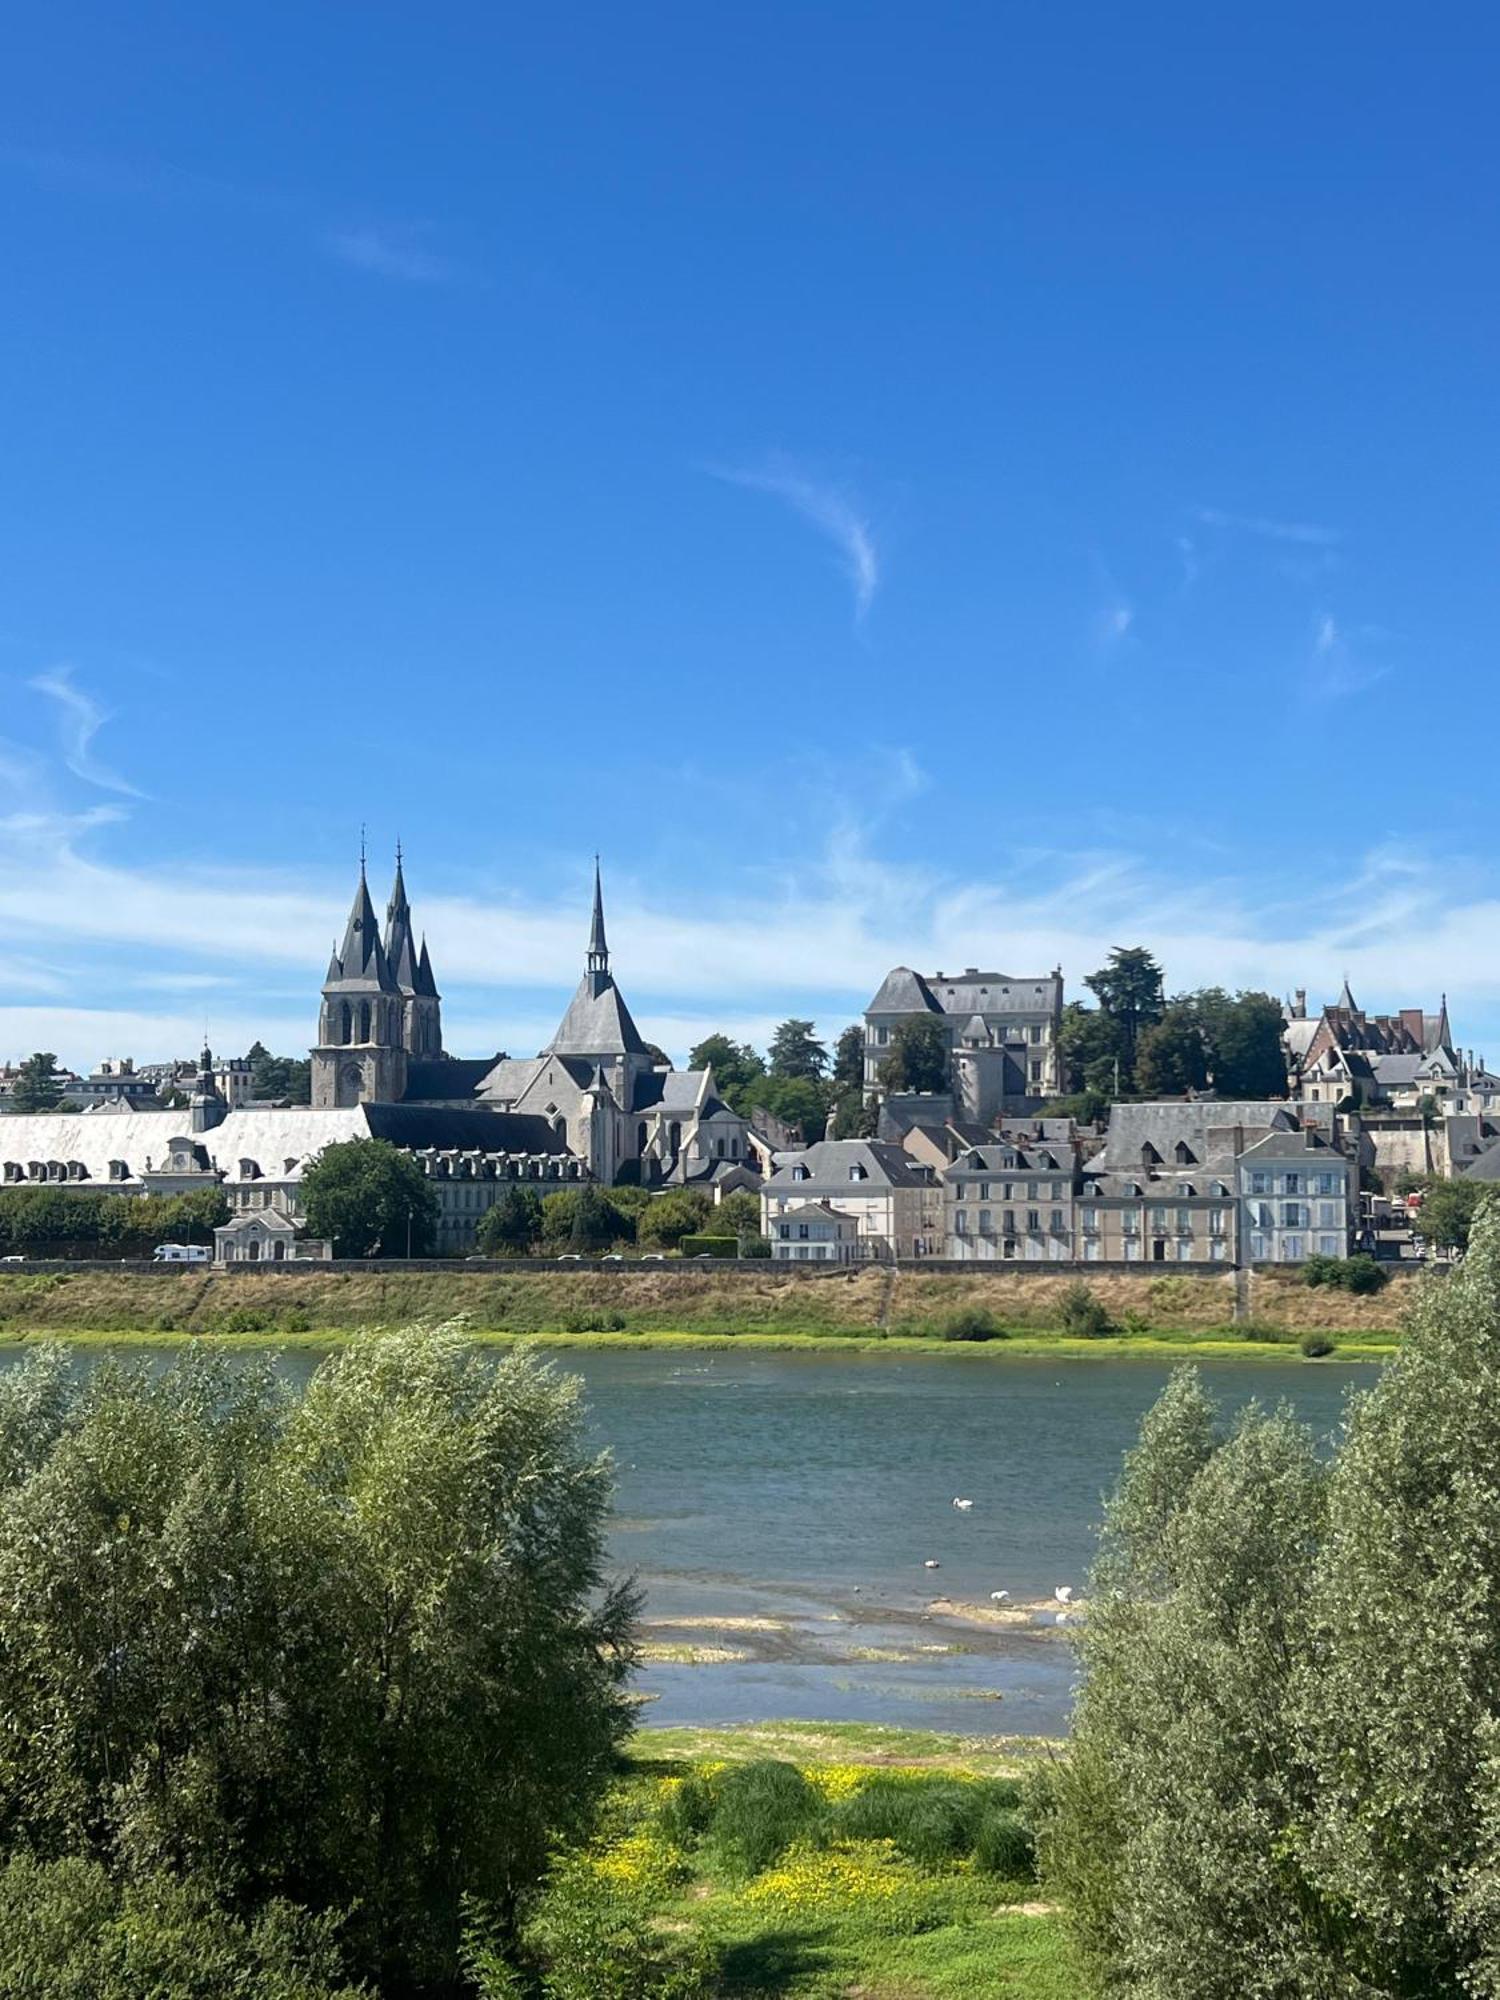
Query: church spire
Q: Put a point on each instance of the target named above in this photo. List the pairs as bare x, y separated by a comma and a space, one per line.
361, 960
598, 961
400, 949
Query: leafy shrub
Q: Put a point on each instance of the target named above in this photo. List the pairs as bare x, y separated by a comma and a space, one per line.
593, 1320
164, 1323
68, 1931
1361, 1274
937, 1822
244, 1319
593, 1937
1083, 1314
1259, 1329
759, 1810
755, 1246
1320, 1270
972, 1323
1134, 1322
1316, 1345
709, 1246
1003, 1845
687, 1811
295, 1320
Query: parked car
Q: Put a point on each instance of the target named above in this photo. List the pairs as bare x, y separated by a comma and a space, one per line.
654, 1257
12, 1260
612, 1257
570, 1257
182, 1253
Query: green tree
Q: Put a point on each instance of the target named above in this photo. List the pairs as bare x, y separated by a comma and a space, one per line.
1285, 1770
1447, 1213
38, 1085
671, 1216
1171, 1056
849, 1059
796, 1100
918, 1055
738, 1070
279, 1078
513, 1225
797, 1052
1128, 989
1242, 1032
372, 1199
353, 1651
1091, 1049
738, 1214
602, 1222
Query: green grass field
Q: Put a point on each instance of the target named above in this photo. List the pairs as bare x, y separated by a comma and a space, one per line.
816, 1911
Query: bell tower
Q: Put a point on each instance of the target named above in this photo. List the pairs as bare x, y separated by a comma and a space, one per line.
360, 1053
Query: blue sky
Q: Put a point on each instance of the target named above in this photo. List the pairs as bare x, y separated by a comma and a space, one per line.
950, 484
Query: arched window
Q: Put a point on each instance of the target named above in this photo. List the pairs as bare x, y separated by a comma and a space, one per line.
346, 1023
364, 1020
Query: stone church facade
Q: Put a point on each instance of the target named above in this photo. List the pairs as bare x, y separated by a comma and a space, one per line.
596, 1103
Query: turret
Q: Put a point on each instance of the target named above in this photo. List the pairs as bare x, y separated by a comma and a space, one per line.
411, 969
360, 1055
206, 1107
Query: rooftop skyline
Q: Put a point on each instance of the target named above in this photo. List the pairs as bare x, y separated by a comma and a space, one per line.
982, 488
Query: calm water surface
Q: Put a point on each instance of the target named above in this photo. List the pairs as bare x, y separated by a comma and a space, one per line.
782, 1508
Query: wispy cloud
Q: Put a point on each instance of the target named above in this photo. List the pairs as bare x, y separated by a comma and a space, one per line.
1335, 669
827, 508
402, 254
1113, 624
1305, 532
81, 718
401, 251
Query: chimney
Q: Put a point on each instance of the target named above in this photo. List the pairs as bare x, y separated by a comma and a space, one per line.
1299, 1004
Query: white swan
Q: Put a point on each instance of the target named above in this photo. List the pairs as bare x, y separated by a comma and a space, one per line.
1064, 1593
932, 1563
963, 1506
999, 1597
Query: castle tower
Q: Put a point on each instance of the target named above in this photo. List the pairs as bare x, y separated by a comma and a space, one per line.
421, 1003
360, 1055
206, 1108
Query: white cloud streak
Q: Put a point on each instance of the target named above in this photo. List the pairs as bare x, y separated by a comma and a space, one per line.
81, 719
815, 942
828, 510
1304, 532
391, 253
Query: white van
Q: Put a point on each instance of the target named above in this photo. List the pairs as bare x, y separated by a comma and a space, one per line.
182, 1253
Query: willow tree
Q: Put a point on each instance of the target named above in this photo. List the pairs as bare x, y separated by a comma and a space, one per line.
1285, 1772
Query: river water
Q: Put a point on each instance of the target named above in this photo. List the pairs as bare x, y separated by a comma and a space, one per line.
781, 1509
802, 1496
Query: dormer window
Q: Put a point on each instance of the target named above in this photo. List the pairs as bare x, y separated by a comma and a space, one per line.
800, 1174
858, 1173
1149, 1155
1184, 1154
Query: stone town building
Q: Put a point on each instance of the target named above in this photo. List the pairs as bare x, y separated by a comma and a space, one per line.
1002, 1038
1298, 1197
811, 1232
897, 1203
596, 1103
1165, 1189
1343, 1053
1006, 1202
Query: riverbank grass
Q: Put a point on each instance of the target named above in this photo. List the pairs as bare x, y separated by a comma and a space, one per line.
1220, 1344
819, 1860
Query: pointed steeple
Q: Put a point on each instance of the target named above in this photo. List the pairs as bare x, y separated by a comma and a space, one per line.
598, 960
426, 984
400, 952
1346, 998
361, 961
1444, 1032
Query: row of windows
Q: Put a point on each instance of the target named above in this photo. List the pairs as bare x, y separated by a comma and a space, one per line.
1291, 1249
1057, 1221
1011, 1190
1295, 1215
1296, 1182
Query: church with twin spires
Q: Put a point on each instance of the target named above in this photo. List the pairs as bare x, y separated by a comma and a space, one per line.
609, 1099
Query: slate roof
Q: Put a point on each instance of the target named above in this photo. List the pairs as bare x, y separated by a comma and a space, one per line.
829, 1161
903, 992
1486, 1167
361, 963
455, 1078
597, 1022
